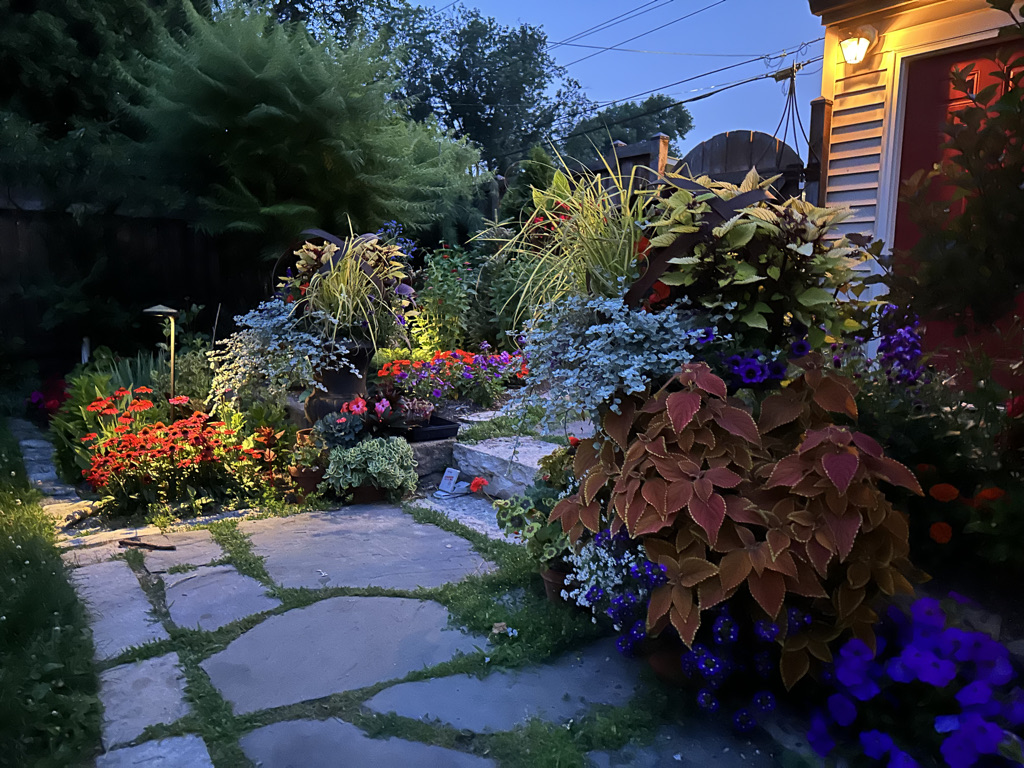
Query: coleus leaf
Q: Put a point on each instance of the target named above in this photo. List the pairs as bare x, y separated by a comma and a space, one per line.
617, 425
867, 444
779, 410
841, 468
682, 407
793, 666
590, 516
769, 590
655, 492
831, 395
740, 423
844, 531
708, 514
895, 473
734, 568
694, 570
788, 472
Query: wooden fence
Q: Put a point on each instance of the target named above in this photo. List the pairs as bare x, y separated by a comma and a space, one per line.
50, 265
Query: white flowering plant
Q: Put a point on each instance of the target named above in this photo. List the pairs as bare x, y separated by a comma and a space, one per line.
269, 354
612, 578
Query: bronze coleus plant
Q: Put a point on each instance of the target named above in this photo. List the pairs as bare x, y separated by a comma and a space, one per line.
789, 506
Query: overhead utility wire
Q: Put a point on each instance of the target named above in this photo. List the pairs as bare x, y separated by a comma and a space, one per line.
650, 31
659, 53
632, 13
802, 48
690, 100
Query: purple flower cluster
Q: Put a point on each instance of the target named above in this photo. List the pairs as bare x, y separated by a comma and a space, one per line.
753, 370
965, 677
721, 669
899, 346
392, 232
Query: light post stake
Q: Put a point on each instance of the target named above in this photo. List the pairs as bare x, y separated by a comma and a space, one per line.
162, 311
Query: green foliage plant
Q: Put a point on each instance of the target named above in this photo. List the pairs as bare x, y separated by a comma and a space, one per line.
771, 267
537, 171
384, 463
359, 291
583, 239
526, 516
443, 303
49, 709
970, 208
787, 508
338, 430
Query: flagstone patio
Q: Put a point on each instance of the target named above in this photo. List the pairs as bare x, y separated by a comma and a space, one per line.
271, 642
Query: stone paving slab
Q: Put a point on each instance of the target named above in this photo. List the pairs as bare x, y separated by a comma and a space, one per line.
336, 645
191, 548
80, 556
474, 512
118, 608
210, 597
337, 744
366, 546
556, 692
180, 752
507, 463
703, 743
136, 696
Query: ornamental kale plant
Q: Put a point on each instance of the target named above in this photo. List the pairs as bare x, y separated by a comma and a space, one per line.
931, 693
590, 352
613, 579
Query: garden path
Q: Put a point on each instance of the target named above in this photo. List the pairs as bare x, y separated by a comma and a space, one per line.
323, 639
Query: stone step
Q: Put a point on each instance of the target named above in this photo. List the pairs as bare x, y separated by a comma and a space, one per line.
507, 463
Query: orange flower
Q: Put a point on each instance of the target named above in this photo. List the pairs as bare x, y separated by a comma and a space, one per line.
943, 492
991, 494
941, 533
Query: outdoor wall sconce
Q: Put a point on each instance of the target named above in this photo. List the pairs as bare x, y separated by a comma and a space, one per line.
856, 44
160, 311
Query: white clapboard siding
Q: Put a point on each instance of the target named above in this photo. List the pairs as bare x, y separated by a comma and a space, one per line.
855, 145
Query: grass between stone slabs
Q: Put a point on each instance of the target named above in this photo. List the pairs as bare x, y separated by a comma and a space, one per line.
49, 710
512, 594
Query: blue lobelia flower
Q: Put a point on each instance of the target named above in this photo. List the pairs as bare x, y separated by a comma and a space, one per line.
842, 709
900, 759
743, 721
818, 737
875, 744
974, 694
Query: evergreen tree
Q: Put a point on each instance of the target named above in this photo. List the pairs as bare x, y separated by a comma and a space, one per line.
256, 128
64, 78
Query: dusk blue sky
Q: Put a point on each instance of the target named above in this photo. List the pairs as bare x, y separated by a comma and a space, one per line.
747, 28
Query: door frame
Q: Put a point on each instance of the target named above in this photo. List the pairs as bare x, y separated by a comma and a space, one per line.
892, 154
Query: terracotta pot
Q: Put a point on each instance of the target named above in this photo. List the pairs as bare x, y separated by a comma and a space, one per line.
368, 494
304, 436
554, 583
307, 478
664, 654
342, 385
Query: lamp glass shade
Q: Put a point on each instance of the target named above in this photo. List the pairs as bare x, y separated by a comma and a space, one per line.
855, 49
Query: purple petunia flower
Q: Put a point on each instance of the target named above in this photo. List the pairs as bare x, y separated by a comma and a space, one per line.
974, 694
799, 348
900, 759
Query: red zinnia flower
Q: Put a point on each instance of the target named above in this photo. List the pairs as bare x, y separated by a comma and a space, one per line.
943, 492
941, 533
143, 391
477, 484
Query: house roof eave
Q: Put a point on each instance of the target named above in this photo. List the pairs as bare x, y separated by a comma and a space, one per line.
842, 11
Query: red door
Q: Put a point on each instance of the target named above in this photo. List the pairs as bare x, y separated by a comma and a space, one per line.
930, 99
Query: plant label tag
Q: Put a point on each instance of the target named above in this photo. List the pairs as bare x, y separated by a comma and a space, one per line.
447, 483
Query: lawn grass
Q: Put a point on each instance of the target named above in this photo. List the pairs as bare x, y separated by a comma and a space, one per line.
49, 710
